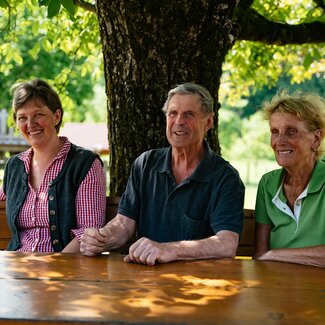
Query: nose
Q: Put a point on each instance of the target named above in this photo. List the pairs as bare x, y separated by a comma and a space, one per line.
281, 139
180, 119
31, 121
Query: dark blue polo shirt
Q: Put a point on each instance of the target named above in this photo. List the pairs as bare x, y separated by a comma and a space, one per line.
210, 200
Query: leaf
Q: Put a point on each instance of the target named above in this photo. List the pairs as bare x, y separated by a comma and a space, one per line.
316, 54
35, 27
35, 50
4, 4
53, 8
69, 6
46, 45
17, 58
308, 61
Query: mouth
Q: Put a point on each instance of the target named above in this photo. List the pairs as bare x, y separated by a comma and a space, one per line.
284, 152
180, 133
34, 132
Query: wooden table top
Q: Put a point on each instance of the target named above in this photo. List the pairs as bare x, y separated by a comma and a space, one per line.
74, 289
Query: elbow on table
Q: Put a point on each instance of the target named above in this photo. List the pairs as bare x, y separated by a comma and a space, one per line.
228, 244
230, 252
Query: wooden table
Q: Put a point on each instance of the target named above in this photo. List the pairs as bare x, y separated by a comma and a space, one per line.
73, 289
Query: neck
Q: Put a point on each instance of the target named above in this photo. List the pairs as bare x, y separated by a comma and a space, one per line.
184, 162
299, 178
49, 152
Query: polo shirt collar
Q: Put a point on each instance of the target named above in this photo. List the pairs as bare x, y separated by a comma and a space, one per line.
317, 178
201, 173
316, 182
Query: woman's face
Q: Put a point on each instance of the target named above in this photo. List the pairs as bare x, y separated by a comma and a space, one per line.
36, 122
291, 142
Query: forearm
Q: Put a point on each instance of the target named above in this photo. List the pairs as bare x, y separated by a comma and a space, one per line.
222, 245
119, 230
314, 256
72, 247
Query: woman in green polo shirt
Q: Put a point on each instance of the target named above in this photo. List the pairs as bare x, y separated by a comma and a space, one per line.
290, 203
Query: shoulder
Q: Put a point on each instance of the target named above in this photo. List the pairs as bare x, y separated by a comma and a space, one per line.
271, 180
151, 156
219, 165
80, 154
13, 161
271, 174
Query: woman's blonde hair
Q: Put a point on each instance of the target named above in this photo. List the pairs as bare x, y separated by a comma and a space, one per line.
308, 107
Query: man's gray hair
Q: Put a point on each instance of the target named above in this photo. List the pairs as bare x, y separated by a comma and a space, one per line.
192, 89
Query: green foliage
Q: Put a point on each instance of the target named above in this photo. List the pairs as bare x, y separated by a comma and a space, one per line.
249, 66
66, 53
252, 142
4, 4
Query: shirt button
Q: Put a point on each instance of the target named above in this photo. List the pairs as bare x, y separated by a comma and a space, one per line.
53, 227
51, 197
55, 241
52, 212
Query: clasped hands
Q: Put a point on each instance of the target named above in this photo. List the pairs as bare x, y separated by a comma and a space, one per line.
143, 251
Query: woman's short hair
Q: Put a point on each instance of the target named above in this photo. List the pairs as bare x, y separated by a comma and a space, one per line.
192, 89
36, 90
307, 107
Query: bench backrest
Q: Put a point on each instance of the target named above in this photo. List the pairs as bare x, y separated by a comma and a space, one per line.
245, 248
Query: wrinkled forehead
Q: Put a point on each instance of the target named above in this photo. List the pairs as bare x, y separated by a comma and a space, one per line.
185, 102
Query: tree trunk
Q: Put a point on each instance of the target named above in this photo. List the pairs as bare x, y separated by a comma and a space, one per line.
149, 47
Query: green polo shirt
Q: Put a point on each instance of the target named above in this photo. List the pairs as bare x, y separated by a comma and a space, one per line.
210, 200
287, 231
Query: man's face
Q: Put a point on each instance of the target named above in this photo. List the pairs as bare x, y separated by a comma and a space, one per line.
186, 122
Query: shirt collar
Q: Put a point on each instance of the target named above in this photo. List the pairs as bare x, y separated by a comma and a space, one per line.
27, 155
201, 173
318, 177
316, 182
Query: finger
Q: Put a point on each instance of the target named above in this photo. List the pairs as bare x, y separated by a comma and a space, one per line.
127, 259
102, 232
151, 259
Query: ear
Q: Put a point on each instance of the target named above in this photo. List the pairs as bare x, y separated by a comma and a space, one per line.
57, 116
318, 137
209, 122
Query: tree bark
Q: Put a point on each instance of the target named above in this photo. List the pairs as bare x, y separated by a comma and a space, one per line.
149, 47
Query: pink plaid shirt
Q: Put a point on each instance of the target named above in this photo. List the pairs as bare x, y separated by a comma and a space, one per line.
33, 219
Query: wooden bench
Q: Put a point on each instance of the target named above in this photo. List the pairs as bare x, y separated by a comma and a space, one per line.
245, 248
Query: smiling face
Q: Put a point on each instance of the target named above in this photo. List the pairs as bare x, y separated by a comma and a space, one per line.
292, 142
186, 122
37, 122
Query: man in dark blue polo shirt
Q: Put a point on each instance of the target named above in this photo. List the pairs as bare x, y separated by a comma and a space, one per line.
185, 201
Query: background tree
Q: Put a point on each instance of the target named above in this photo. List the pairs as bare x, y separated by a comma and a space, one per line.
150, 46
31, 47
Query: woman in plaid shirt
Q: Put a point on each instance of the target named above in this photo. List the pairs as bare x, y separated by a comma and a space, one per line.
54, 190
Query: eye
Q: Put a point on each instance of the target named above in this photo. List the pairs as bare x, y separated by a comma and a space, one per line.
189, 114
172, 114
291, 131
21, 118
274, 132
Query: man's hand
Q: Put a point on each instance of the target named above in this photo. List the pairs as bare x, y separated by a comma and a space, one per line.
146, 251
93, 241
